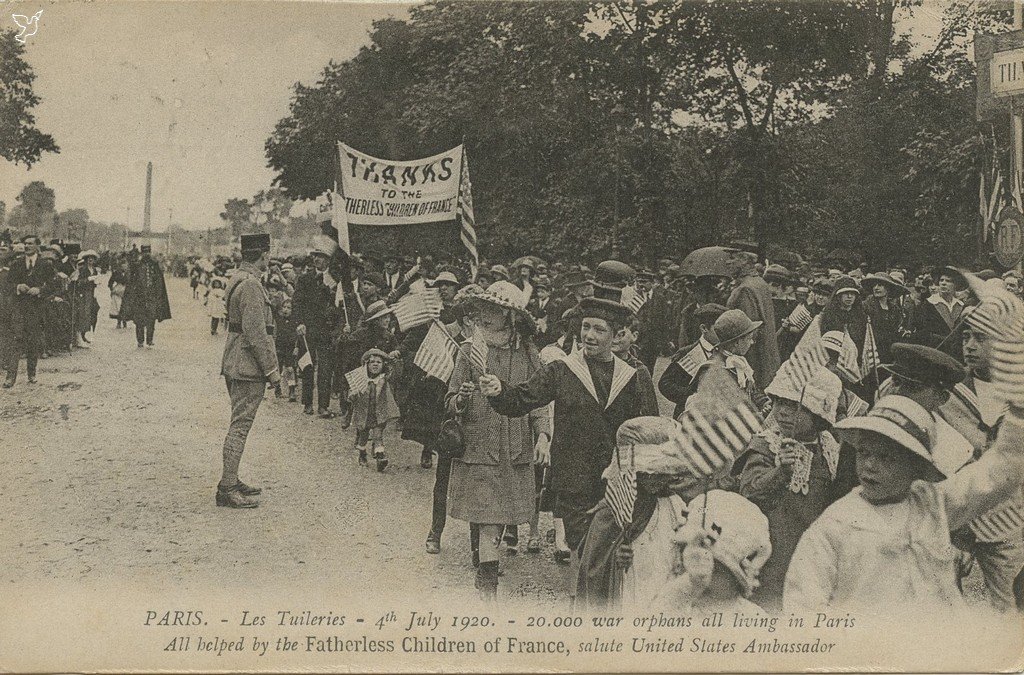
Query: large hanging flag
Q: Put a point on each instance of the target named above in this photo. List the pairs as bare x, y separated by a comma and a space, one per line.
417, 308
436, 355
467, 220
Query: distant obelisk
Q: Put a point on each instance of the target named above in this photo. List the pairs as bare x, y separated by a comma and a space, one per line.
149, 191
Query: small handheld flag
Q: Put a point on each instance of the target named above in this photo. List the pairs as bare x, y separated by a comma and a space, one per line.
358, 380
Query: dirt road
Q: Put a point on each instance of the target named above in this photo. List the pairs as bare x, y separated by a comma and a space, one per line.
112, 459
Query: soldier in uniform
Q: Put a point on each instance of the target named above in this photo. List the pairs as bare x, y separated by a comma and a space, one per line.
250, 360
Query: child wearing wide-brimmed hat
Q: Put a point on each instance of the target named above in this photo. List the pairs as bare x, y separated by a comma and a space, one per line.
788, 469
373, 406
887, 543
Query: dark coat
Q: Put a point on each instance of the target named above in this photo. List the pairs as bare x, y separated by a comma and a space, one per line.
754, 297
145, 293
313, 307
584, 437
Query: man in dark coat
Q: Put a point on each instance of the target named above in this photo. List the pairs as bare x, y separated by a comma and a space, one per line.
314, 309
753, 296
145, 297
656, 318
28, 276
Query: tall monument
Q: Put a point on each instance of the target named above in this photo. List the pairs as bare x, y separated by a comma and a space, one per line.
149, 191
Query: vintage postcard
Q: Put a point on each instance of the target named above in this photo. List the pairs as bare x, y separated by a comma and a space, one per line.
494, 336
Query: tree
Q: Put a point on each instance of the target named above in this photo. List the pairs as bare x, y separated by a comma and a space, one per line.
237, 214
35, 209
20, 140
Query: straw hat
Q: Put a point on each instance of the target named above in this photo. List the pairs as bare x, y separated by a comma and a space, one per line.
506, 295
902, 420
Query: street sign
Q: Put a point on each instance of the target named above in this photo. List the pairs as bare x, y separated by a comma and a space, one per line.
1006, 73
1000, 72
1009, 240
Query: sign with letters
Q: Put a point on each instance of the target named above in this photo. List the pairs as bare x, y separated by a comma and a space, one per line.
381, 192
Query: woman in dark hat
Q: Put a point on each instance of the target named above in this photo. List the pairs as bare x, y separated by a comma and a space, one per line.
846, 312
884, 310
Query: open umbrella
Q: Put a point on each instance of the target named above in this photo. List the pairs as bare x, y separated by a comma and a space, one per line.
710, 261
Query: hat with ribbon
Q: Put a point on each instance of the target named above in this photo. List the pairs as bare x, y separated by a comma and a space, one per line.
446, 278
845, 284
255, 242
730, 326
883, 279
610, 278
902, 420
376, 310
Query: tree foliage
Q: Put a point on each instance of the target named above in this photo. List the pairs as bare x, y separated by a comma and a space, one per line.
20, 141
652, 128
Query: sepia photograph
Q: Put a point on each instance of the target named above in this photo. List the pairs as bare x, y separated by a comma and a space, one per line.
511, 336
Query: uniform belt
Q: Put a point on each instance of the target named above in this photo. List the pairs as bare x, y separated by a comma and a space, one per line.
237, 328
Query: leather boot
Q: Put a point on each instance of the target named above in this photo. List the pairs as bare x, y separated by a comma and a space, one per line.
487, 580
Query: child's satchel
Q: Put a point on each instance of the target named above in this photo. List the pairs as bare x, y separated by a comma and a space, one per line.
451, 440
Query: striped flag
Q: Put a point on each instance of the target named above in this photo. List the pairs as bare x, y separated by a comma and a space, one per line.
478, 351
709, 445
869, 359
416, 309
436, 355
635, 300
692, 360
799, 369
848, 359
800, 318
999, 523
620, 493
358, 380
467, 233
1000, 315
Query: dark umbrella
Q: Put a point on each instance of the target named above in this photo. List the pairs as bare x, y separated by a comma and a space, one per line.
711, 261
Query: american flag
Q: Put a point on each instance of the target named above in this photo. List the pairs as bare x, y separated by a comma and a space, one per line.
716, 427
1000, 315
306, 360
358, 380
999, 523
848, 361
436, 355
692, 360
869, 359
466, 217
799, 368
620, 493
800, 318
416, 309
478, 351
636, 301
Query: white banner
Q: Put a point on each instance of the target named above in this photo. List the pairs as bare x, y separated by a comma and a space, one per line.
382, 192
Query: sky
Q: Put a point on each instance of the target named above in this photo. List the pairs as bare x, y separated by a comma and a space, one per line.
194, 87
